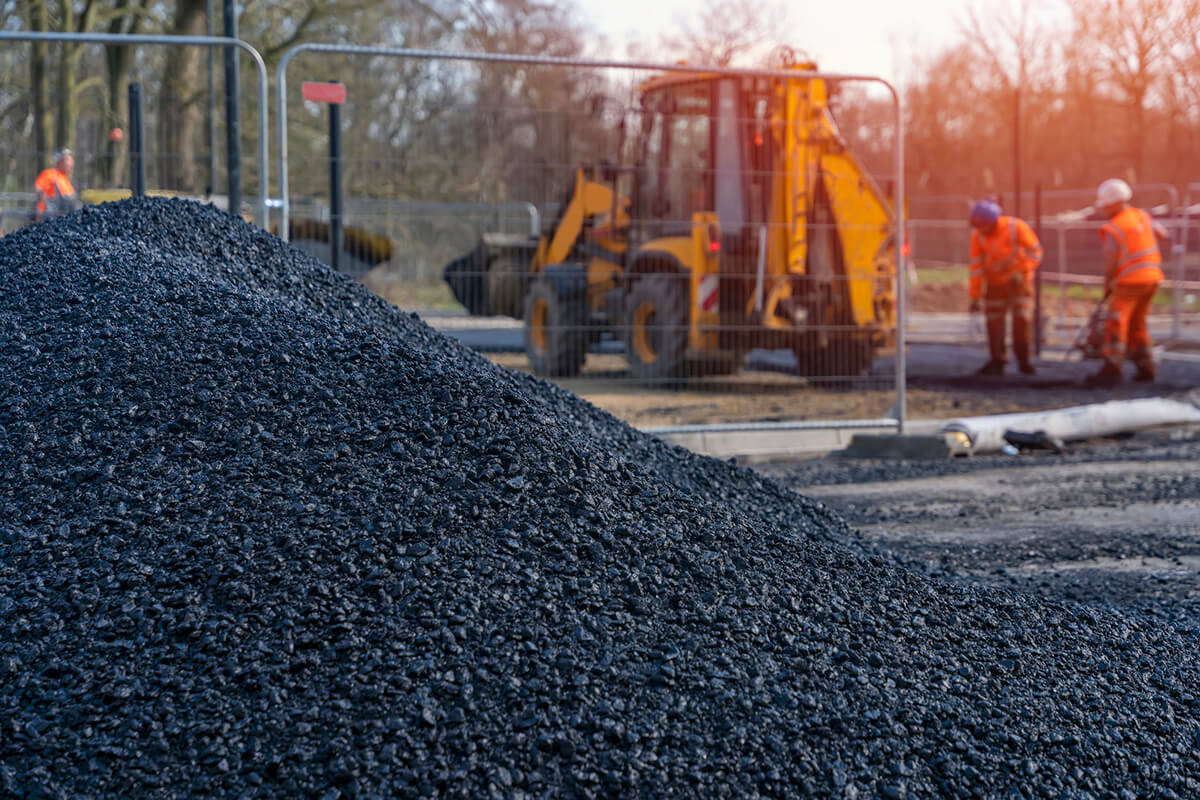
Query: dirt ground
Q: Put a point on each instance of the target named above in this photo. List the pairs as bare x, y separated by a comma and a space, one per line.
1112, 521
768, 396
764, 395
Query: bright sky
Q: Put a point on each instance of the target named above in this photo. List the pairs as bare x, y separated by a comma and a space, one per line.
877, 37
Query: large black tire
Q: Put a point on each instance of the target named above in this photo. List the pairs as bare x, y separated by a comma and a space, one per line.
506, 282
716, 365
555, 340
656, 328
844, 355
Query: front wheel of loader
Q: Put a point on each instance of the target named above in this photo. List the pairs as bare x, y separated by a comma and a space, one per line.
656, 328
554, 335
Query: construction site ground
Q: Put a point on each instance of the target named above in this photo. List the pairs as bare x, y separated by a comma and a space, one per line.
946, 345
1111, 521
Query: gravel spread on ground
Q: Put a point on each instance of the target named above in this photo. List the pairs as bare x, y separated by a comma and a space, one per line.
264, 535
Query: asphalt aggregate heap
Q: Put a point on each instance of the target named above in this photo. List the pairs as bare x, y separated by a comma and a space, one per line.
264, 535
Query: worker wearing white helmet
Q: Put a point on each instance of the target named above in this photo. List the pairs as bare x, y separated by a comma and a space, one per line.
1132, 274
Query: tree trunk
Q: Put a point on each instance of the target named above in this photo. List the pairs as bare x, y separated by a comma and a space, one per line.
118, 59
39, 84
65, 102
180, 118
65, 105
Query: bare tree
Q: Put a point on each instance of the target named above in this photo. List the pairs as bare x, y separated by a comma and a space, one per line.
122, 17
180, 122
945, 152
1128, 38
38, 20
1011, 49
745, 29
1183, 76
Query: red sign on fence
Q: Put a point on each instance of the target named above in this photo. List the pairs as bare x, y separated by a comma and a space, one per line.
323, 92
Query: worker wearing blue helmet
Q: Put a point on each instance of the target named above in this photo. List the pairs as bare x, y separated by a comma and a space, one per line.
1004, 254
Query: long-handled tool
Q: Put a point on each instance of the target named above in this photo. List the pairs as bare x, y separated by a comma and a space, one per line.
1090, 337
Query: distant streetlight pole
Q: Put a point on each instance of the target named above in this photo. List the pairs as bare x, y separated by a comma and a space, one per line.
1016, 151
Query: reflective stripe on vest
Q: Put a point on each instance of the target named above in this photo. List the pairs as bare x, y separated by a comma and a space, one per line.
1147, 256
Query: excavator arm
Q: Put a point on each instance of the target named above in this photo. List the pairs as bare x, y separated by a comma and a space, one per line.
589, 199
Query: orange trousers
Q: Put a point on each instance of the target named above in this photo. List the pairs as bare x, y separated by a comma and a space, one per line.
1126, 334
999, 300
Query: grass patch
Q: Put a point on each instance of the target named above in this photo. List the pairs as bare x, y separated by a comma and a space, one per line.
941, 275
958, 274
412, 296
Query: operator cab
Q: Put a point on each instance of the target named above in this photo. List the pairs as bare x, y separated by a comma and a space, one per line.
706, 144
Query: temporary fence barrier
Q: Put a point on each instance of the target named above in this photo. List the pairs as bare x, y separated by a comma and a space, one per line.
508, 284
1188, 249
182, 41
426, 232
1072, 258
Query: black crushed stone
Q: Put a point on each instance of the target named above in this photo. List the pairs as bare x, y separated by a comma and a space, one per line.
266, 536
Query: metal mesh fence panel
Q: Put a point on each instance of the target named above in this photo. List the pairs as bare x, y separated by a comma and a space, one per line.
1072, 270
181, 158
645, 230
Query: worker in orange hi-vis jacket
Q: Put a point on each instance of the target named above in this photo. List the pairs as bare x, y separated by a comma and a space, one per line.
55, 194
1004, 254
1132, 274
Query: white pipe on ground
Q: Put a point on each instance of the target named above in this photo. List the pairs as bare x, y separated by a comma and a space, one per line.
1077, 422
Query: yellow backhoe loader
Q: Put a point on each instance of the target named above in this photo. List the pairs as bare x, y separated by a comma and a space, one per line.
743, 222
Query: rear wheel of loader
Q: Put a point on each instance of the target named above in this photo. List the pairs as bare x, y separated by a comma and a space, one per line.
554, 335
656, 328
506, 279
844, 355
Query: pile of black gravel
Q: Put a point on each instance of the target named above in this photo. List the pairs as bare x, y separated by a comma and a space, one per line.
264, 535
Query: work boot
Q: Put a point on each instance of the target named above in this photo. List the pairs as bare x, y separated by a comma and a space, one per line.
1145, 375
1027, 368
992, 367
1107, 376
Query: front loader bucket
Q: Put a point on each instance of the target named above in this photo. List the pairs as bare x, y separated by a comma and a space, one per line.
465, 276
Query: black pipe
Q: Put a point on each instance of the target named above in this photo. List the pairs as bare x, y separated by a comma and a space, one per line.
335, 185
233, 148
1016, 153
137, 141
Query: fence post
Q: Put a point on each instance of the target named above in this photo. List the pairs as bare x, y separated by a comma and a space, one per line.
1062, 272
335, 186
1184, 234
211, 121
1177, 294
137, 141
233, 160
1037, 279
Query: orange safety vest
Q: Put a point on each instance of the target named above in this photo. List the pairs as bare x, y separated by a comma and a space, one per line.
1010, 248
1139, 258
51, 183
